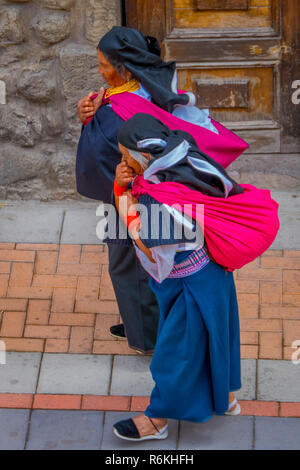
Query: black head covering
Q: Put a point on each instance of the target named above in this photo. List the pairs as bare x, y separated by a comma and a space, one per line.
210, 178
141, 56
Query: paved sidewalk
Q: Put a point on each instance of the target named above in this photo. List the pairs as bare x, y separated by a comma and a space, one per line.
129, 376
56, 295
75, 222
70, 401
92, 430
75, 380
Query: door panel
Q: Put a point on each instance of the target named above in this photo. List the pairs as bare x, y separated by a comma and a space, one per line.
232, 94
239, 57
188, 16
254, 18
223, 4
203, 50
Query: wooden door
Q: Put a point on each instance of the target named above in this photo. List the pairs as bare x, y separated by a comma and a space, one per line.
240, 58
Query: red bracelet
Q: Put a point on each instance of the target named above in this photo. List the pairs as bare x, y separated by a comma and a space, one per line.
132, 216
119, 190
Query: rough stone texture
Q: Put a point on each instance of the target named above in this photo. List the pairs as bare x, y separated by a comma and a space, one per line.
37, 86
42, 173
2, 92
19, 126
53, 121
56, 4
78, 65
9, 76
48, 62
11, 26
52, 28
99, 17
63, 169
10, 58
3, 192
22, 166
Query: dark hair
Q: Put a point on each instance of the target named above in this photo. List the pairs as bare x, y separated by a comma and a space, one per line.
120, 68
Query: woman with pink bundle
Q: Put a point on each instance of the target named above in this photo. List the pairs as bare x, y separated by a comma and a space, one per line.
196, 361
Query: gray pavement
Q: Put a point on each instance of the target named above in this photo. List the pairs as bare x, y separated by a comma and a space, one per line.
75, 222
20, 373
281, 378
75, 374
92, 430
266, 380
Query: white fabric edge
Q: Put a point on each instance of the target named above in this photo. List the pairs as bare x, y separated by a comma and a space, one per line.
208, 168
172, 158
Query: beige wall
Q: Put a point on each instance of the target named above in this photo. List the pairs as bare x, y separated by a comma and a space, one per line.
47, 62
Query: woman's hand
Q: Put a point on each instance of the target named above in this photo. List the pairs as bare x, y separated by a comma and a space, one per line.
87, 108
97, 102
124, 174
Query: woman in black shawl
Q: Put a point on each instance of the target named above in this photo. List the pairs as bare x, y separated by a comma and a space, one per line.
128, 61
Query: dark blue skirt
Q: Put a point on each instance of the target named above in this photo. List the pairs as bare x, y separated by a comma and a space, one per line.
196, 361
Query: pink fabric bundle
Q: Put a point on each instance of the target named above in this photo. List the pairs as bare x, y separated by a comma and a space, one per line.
237, 229
224, 147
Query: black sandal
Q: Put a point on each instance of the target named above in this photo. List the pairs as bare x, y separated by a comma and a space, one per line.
126, 429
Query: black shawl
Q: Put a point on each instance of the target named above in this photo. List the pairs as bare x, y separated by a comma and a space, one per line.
194, 169
141, 56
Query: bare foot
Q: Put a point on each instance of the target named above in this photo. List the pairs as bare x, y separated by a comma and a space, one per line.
145, 427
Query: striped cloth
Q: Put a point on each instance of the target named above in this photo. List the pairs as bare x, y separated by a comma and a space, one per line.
196, 261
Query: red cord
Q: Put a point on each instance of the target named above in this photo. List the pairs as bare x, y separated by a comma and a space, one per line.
132, 216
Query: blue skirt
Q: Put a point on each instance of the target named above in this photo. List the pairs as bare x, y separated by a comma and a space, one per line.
196, 361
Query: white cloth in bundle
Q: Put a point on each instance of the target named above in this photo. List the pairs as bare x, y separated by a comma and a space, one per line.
194, 115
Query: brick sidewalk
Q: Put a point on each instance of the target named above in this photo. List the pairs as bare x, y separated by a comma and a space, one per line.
59, 299
129, 403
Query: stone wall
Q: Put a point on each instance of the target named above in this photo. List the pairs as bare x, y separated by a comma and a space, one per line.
48, 61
